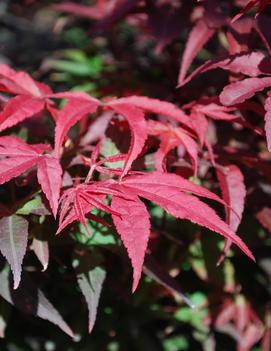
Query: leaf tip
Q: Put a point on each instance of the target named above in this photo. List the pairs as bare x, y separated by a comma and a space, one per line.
136, 279
16, 280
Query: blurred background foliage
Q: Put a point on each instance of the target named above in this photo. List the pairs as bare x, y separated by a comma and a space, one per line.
67, 53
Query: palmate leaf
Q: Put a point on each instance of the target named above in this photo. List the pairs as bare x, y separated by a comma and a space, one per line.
33, 96
129, 214
13, 242
22, 157
189, 207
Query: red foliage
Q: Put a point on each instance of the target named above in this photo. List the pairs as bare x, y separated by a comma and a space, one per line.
180, 141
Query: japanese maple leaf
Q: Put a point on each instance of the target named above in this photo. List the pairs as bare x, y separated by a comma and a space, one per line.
245, 63
80, 200
170, 138
238, 92
18, 157
129, 213
198, 37
136, 120
132, 109
233, 190
261, 4
32, 97
156, 106
77, 108
240, 315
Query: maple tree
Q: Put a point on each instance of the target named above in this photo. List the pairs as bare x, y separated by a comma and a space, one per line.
113, 158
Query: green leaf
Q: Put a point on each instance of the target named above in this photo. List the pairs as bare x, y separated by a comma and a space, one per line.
109, 148
34, 206
176, 343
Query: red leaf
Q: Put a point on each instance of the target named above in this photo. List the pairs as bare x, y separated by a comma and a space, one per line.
12, 168
217, 112
13, 242
134, 229
247, 64
233, 193
74, 110
77, 202
18, 109
238, 92
49, 177
13, 146
164, 193
21, 157
267, 118
200, 123
190, 145
168, 180
156, 106
97, 128
233, 189
167, 143
198, 37
170, 138
18, 82
138, 126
